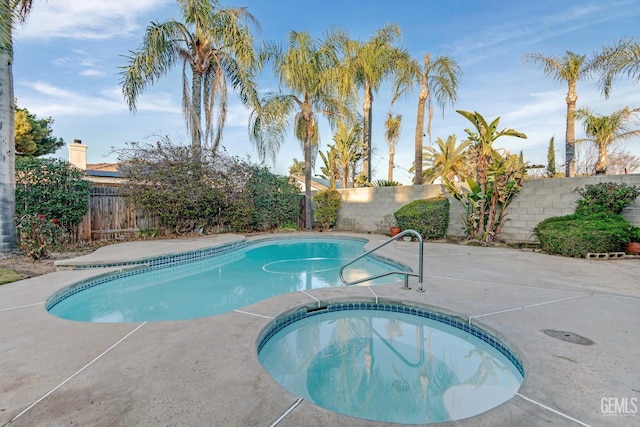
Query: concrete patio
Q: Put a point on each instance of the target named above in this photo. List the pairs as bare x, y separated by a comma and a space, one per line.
205, 372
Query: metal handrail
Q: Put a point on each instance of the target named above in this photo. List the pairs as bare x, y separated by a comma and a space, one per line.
406, 274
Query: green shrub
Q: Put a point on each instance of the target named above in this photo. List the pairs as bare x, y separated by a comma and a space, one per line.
605, 197
39, 236
326, 205
274, 198
53, 188
576, 235
429, 217
187, 196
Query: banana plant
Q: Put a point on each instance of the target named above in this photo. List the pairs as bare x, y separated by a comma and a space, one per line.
494, 182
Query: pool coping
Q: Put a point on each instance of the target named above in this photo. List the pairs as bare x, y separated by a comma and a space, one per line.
510, 294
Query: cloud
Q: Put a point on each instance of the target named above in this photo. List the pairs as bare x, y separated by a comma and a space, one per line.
85, 19
45, 99
511, 35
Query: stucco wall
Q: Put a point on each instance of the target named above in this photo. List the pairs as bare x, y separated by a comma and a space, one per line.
371, 209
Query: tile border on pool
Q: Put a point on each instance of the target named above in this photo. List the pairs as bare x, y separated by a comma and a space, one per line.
169, 260
144, 266
282, 322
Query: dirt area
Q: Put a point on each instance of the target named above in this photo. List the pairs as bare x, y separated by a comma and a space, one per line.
30, 268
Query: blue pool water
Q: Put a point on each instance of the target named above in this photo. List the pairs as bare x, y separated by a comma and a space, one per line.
390, 363
217, 284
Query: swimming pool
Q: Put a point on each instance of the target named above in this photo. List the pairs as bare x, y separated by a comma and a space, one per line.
390, 363
217, 284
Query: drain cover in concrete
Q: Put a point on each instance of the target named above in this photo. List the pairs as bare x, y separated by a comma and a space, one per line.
568, 337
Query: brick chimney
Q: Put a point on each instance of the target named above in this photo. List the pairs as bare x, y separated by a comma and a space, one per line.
78, 154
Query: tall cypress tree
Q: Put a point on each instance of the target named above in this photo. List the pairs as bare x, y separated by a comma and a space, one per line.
551, 158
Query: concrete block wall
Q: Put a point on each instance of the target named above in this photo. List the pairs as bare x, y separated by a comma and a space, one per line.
371, 209
543, 198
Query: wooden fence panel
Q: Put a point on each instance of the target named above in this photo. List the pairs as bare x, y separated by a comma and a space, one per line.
110, 218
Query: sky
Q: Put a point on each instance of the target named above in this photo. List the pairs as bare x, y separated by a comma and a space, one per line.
69, 54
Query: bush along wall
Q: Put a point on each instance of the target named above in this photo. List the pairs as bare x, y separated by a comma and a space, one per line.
326, 205
429, 217
577, 235
595, 227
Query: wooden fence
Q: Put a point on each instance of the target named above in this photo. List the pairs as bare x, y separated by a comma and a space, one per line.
110, 218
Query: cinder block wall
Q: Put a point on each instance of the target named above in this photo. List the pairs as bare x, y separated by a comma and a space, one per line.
543, 198
371, 209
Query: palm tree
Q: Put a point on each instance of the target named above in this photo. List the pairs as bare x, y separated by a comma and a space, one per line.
605, 130
366, 65
305, 70
349, 149
216, 45
297, 168
621, 58
10, 12
570, 68
449, 160
392, 133
438, 79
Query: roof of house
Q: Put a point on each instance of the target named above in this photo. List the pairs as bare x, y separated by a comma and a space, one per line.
103, 169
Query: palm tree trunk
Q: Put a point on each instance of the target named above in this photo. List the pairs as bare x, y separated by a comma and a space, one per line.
308, 223
601, 165
8, 239
417, 166
196, 113
570, 136
308, 143
345, 175
366, 106
392, 154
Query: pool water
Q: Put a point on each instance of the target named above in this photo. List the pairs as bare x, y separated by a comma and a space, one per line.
220, 283
391, 366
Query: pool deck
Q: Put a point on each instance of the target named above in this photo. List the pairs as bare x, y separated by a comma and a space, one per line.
205, 372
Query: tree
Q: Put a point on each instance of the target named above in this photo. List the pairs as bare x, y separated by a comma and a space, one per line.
438, 81
219, 193
392, 132
10, 12
448, 160
217, 47
570, 68
496, 179
331, 167
366, 65
33, 135
305, 70
551, 158
604, 130
621, 58
297, 168
349, 149
53, 188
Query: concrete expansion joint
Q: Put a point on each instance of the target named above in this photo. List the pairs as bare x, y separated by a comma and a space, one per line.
553, 410
21, 306
287, 412
253, 314
374, 293
523, 307
312, 297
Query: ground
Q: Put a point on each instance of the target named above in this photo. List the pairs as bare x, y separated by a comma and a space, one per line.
25, 265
